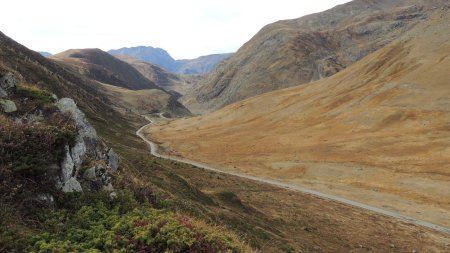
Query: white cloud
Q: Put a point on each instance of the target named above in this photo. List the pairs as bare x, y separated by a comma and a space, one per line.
186, 29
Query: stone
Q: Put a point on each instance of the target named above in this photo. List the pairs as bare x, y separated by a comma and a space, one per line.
68, 105
7, 106
46, 199
78, 152
113, 160
108, 187
7, 83
90, 174
3, 93
67, 165
113, 195
72, 185
87, 139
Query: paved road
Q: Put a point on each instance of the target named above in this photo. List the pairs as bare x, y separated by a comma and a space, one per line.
154, 151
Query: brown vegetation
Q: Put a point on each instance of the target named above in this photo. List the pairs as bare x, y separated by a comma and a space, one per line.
376, 132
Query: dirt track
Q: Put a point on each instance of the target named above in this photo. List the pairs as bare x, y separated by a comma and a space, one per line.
154, 151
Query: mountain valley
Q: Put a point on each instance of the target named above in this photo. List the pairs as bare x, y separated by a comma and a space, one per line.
325, 133
376, 132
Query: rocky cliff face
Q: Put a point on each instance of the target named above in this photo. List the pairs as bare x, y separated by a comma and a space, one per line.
88, 149
294, 52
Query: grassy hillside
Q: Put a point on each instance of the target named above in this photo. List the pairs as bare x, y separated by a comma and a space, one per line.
103, 67
376, 132
161, 77
36, 216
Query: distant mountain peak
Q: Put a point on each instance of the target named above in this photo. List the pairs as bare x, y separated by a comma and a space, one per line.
162, 58
153, 55
45, 54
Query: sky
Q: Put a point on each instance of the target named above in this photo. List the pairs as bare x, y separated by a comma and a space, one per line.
185, 28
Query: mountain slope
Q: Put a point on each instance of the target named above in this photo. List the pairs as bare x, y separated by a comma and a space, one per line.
293, 52
252, 210
200, 65
102, 67
45, 54
156, 74
108, 70
39, 138
153, 55
377, 132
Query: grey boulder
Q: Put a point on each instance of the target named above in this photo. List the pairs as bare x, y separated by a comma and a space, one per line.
7, 106
113, 160
7, 83
72, 185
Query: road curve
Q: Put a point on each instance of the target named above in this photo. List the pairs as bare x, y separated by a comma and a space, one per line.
408, 219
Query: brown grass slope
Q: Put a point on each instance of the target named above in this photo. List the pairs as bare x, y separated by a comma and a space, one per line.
292, 52
126, 88
31, 67
377, 132
161, 77
103, 67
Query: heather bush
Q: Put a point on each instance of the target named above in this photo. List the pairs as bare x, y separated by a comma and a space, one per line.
105, 227
30, 149
33, 97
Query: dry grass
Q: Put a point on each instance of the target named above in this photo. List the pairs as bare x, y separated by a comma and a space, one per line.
376, 132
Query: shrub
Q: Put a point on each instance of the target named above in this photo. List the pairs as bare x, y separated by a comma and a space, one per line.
103, 227
29, 149
36, 94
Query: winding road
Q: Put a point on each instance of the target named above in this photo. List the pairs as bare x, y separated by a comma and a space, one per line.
408, 219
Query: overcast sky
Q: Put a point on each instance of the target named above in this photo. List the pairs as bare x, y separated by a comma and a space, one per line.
185, 28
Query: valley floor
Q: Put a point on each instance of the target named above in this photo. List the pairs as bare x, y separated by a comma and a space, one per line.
356, 220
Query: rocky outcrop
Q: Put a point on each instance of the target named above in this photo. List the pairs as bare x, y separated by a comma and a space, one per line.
88, 147
113, 159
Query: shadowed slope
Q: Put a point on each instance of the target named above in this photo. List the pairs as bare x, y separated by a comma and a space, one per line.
158, 75
103, 67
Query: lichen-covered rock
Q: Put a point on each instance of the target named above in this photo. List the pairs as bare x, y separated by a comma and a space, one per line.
108, 188
72, 185
88, 147
7, 106
7, 83
78, 152
67, 166
113, 160
90, 174
3, 93
86, 132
